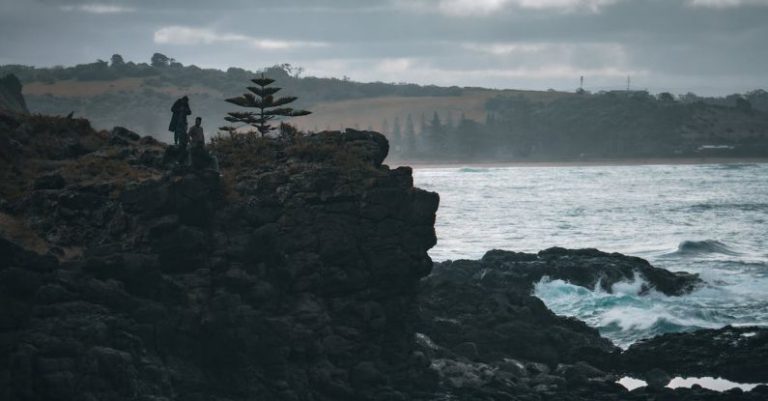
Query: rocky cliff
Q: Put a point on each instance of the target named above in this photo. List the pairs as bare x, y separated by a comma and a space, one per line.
11, 99
124, 277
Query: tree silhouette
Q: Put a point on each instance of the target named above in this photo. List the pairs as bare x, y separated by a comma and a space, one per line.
160, 60
666, 97
269, 107
117, 60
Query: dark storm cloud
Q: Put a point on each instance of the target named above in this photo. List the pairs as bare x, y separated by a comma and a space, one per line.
708, 46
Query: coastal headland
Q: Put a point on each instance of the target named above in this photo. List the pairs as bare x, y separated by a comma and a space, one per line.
298, 271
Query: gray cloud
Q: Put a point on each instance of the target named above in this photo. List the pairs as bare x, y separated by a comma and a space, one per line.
707, 46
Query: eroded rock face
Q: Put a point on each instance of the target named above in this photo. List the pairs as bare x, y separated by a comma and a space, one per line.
288, 281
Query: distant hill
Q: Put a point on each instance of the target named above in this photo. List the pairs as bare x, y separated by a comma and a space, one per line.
422, 122
139, 96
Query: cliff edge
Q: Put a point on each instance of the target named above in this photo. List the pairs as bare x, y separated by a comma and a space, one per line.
292, 276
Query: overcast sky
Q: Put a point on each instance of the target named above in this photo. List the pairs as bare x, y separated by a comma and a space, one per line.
704, 46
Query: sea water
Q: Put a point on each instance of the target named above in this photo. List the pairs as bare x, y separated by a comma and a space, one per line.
708, 219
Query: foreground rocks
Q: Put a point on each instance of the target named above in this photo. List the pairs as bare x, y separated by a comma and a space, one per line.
289, 280
487, 313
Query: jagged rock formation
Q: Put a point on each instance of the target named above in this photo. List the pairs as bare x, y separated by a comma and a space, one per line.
489, 338
294, 280
11, 99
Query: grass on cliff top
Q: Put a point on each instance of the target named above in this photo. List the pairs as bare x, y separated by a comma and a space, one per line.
36, 145
28, 144
242, 152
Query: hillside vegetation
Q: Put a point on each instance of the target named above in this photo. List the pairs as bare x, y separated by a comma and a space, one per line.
427, 123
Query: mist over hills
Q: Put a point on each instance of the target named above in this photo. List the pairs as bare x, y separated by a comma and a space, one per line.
427, 123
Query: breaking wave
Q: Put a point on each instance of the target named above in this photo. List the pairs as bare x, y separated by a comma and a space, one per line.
703, 248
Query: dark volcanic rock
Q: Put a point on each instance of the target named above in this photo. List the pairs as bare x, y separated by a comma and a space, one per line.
490, 339
290, 280
738, 354
487, 305
586, 268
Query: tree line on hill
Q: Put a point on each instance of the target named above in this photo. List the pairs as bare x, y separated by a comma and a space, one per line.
606, 125
166, 71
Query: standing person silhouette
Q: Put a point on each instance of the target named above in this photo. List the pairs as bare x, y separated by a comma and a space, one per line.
178, 125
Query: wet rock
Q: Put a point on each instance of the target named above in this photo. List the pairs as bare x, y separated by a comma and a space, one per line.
739, 354
581, 373
657, 379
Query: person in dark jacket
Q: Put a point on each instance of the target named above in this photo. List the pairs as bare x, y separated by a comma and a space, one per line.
178, 125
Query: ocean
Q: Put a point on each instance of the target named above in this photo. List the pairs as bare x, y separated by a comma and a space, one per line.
708, 219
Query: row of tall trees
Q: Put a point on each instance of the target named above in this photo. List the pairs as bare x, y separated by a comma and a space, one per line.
434, 138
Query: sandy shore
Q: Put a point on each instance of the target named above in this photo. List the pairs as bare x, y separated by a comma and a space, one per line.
575, 163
